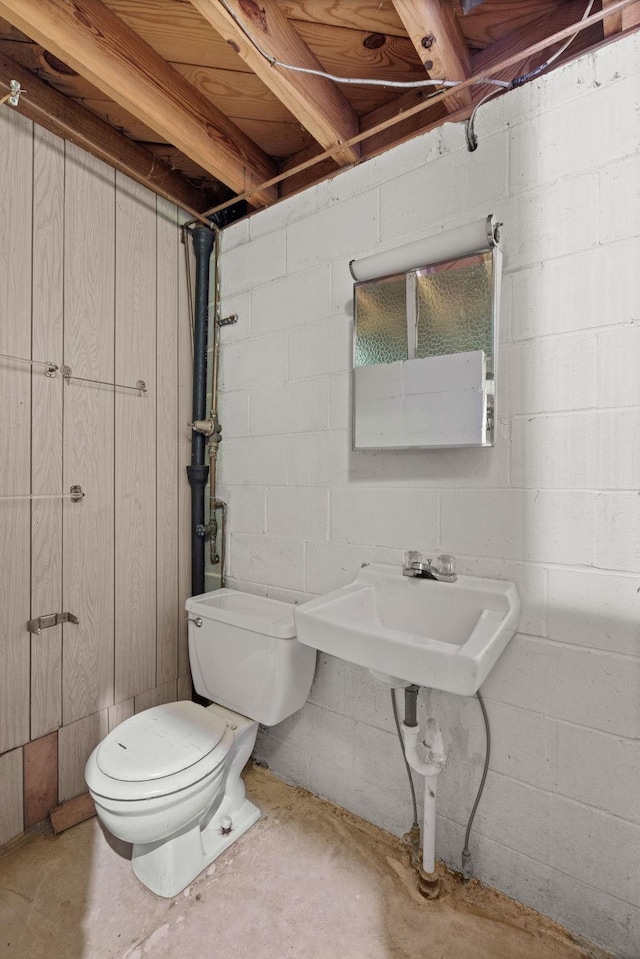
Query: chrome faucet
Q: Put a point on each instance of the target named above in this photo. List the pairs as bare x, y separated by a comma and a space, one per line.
442, 568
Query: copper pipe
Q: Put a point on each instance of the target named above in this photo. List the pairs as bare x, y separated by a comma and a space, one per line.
430, 101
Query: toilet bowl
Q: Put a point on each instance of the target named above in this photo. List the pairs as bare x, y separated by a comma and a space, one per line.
168, 780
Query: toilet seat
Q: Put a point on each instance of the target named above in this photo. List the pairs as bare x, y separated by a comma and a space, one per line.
158, 752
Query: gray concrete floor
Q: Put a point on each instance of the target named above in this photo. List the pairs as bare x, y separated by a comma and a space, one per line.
308, 880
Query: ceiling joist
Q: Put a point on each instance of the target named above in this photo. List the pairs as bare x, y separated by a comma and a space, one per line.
70, 121
437, 37
315, 101
94, 41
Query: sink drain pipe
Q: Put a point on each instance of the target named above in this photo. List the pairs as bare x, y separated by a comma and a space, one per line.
427, 758
198, 471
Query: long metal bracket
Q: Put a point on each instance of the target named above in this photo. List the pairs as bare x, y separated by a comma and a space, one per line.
50, 368
51, 619
67, 372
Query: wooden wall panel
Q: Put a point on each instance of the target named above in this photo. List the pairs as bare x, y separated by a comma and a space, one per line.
185, 407
16, 142
46, 432
168, 606
135, 456
75, 743
88, 555
11, 800
94, 277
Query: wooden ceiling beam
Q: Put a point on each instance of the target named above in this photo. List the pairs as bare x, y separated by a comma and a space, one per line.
526, 36
436, 34
71, 121
316, 102
94, 41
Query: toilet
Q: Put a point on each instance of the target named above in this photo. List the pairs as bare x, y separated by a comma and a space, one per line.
168, 780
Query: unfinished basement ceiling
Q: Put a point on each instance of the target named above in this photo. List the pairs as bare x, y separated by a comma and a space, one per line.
175, 93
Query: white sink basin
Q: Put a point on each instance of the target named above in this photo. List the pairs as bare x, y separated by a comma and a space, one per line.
444, 635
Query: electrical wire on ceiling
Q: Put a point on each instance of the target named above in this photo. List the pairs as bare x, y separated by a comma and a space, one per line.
472, 140
359, 81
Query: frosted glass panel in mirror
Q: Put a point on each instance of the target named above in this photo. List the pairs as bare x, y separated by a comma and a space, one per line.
454, 307
424, 347
381, 309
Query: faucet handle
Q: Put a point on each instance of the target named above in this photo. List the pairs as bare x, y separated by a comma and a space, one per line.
445, 564
410, 557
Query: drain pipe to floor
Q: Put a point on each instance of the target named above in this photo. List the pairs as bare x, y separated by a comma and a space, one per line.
198, 471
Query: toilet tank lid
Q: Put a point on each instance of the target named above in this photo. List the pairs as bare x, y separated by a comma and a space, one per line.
259, 614
159, 742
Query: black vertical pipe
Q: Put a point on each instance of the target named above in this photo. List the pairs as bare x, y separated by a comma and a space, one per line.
198, 472
410, 705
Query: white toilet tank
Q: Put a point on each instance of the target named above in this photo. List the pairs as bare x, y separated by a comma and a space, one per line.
245, 654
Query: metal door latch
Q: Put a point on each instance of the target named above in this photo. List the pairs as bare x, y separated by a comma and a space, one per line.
51, 619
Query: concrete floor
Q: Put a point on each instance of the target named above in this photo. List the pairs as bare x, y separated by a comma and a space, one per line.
309, 879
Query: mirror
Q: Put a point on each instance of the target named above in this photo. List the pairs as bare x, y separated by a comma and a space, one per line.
424, 349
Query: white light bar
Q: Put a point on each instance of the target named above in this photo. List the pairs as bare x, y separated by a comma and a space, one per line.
470, 238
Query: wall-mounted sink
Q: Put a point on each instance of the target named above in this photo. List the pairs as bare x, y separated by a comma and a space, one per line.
444, 635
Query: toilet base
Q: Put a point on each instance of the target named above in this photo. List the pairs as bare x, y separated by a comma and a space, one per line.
168, 867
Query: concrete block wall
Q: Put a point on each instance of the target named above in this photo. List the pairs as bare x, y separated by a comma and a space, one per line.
554, 506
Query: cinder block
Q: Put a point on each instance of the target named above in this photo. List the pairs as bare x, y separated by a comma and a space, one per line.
618, 531
595, 608
576, 292
599, 770
255, 461
599, 690
560, 142
577, 450
331, 565
302, 512
320, 348
250, 264
247, 509
298, 407
234, 235
425, 200
286, 761
256, 362
234, 413
340, 413
341, 230
322, 734
318, 459
524, 879
238, 305
544, 526
531, 582
596, 914
619, 200
283, 214
514, 814
268, 560
401, 519
618, 352
595, 848
547, 375
551, 221
526, 675
292, 301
